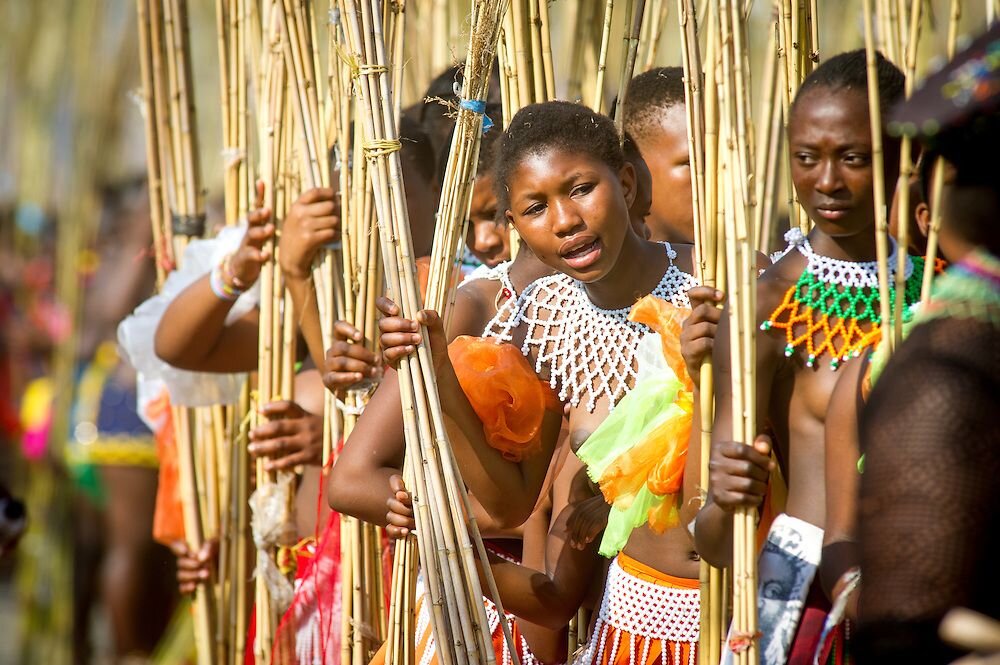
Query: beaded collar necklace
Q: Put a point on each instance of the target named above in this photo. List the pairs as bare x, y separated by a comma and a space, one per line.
838, 301
505, 302
589, 351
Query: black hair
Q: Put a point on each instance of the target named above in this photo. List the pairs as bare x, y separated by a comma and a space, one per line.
649, 94
487, 145
849, 71
630, 151
568, 126
417, 147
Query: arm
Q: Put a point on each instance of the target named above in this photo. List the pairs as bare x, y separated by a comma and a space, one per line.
738, 473
358, 484
312, 222
840, 552
508, 491
550, 599
193, 333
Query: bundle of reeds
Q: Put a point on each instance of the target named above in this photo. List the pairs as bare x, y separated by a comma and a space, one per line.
364, 616
456, 197
460, 172
735, 205
176, 195
703, 144
634, 12
271, 504
443, 515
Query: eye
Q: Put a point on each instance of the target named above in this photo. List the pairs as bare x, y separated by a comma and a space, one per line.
805, 158
857, 159
533, 210
583, 189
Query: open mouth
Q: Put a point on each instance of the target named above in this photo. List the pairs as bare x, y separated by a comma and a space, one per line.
581, 254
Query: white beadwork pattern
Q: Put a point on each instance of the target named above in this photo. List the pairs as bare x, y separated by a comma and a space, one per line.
503, 321
587, 350
858, 274
646, 611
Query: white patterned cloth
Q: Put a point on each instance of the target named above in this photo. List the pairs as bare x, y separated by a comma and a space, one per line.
785, 572
137, 332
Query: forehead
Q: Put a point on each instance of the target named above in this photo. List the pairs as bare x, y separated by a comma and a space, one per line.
823, 115
552, 164
668, 131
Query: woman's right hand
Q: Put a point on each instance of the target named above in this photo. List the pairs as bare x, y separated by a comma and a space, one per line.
738, 473
348, 361
312, 222
246, 261
401, 336
194, 568
399, 520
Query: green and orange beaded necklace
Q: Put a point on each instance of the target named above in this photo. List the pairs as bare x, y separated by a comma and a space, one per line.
839, 300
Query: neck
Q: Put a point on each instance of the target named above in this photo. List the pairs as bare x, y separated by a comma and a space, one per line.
638, 270
526, 268
859, 247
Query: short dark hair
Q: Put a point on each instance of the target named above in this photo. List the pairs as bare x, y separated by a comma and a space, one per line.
568, 126
417, 147
849, 71
649, 94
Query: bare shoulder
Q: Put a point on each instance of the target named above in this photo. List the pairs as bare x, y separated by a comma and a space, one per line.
774, 282
473, 307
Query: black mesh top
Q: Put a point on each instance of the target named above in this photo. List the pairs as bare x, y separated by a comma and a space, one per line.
930, 495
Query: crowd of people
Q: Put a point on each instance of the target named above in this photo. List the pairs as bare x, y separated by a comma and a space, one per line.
570, 378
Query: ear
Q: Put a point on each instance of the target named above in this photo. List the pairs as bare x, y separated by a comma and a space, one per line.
509, 216
626, 175
923, 215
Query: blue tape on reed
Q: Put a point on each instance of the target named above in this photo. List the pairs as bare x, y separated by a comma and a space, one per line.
477, 106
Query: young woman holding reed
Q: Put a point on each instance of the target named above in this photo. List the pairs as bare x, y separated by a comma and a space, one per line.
567, 189
803, 340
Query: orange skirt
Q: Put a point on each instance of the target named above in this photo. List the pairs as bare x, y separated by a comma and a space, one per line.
646, 618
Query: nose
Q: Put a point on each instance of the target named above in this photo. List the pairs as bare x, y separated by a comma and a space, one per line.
487, 238
828, 179
566, 220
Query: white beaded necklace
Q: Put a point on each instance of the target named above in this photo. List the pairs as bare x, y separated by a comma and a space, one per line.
588, 351
500, 325
859, 274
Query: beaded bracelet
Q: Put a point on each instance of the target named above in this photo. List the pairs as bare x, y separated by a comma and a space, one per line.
220, 288
230, 276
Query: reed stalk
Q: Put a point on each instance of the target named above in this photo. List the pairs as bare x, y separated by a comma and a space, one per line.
634, 10
737, 201
602, 62
442, 516
954, 16
903, 183
658, 18
878, 172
